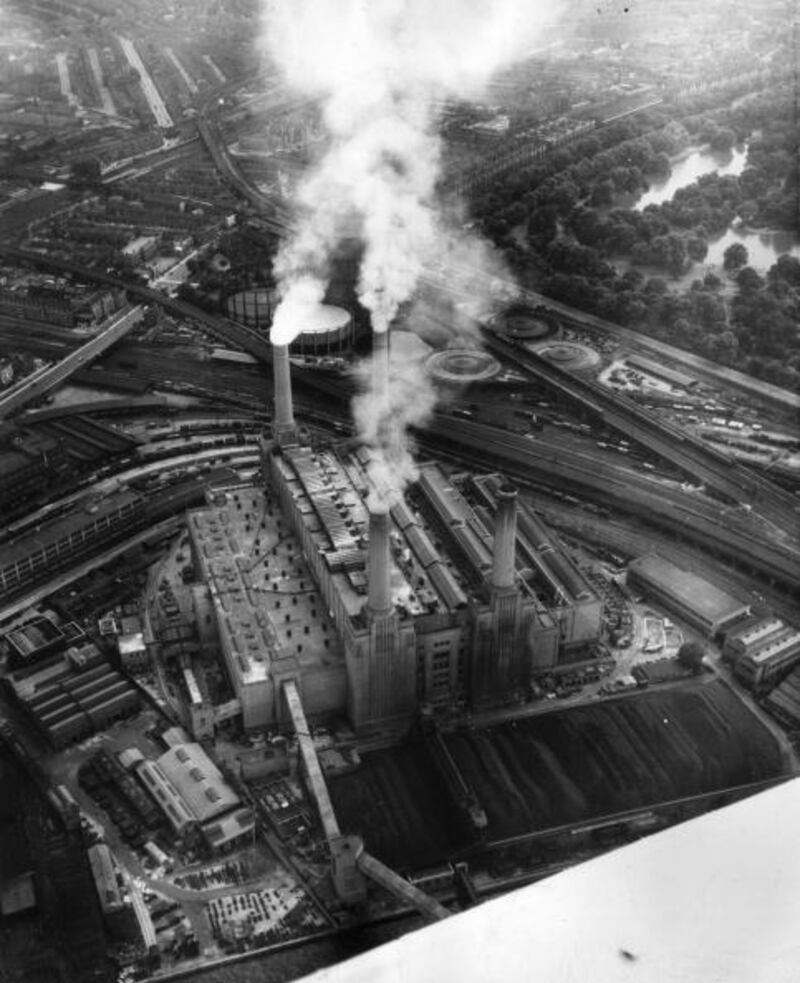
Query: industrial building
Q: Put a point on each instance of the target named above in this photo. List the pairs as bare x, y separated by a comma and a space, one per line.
689, 597
197, 801
66, 539
33, 641
377, 605
769, 661
106, 882
743, 638
30, 464
73, 697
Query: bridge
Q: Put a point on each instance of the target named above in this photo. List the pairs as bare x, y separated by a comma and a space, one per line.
44, 382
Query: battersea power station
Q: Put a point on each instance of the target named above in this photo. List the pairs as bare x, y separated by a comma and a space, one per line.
318, 589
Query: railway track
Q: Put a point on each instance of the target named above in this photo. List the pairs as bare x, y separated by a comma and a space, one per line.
692, 455
486, 447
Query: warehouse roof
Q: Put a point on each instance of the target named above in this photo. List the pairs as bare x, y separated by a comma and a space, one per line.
57, 529
694, 593
198, 781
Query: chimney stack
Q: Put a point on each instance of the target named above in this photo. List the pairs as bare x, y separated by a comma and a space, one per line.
380, 369
379, 563
505, 538
284, 425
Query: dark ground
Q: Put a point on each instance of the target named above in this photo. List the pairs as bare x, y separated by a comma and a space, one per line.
558, 768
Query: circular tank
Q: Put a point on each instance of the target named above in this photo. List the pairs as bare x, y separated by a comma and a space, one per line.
568, 355
523, 322
460, 366
252, 307
327, 330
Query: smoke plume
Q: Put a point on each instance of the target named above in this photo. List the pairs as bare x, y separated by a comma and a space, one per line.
379, 69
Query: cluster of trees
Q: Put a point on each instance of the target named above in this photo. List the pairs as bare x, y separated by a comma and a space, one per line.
599, 165
765, 314
557, 225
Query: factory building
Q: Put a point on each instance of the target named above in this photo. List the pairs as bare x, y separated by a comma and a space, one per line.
62, 541
33, 641
744, 638
770, 660
197, 801
377, 605
546, 571
31, 463
76, 696
684, 594
117, 914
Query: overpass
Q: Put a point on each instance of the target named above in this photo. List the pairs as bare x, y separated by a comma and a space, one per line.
230, 332
49, 379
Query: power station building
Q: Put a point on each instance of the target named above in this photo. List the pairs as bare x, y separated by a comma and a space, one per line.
376, 605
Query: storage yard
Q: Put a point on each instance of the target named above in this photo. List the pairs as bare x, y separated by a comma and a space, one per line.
555, 769
398, 802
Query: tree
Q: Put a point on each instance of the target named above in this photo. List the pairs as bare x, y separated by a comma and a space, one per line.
748, 280
786, 268
86, 172
691, 655
734, 257
696, 248
723, 140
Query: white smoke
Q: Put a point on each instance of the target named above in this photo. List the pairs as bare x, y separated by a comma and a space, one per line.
380, 68
383, 421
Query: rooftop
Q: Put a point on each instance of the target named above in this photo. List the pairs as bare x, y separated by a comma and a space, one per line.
34, 636
696, 593
330, 493
50, 532
787, 641
262, 586
198, 781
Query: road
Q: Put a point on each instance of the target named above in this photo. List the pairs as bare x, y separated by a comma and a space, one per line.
53, 376
151, 93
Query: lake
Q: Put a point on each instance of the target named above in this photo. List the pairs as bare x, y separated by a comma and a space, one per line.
687, 170
763, 248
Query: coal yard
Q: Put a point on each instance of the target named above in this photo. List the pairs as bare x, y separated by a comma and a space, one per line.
398, 802
559, 769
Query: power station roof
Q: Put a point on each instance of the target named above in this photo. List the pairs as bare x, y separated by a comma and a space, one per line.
329, 494
265, 599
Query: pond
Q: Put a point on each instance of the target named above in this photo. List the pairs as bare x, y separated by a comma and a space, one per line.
763, 248
687, 170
